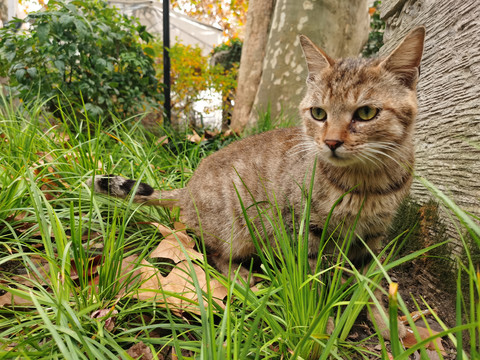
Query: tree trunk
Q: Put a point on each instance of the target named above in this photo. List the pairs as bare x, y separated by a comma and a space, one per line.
3, 12
448, 124
339, 27
251, 64
8, 9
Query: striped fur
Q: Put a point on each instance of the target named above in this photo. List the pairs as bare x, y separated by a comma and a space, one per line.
375, 156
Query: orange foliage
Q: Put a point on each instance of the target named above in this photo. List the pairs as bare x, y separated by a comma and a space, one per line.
230, 15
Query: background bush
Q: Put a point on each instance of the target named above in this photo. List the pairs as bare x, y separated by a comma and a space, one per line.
377, 27
193, 73
83, 56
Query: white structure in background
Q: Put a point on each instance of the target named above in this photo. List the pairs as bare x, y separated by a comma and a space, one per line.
11, 9
182, 28
187, 31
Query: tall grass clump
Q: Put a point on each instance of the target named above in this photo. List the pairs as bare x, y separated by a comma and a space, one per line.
52, 230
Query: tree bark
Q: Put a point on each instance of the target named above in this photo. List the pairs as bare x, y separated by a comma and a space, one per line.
251, 63
448, 124
339, 27
8, 9
3, 12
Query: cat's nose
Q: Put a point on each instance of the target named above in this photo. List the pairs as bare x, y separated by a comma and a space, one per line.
333, 144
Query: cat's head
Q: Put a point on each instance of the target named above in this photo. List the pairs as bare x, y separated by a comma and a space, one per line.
361, 111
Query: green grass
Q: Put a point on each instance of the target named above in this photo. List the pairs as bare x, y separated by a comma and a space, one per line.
48, 215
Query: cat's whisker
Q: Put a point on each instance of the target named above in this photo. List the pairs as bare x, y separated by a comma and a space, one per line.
382, 153
362, 159
398, 149
305, 147
378, 162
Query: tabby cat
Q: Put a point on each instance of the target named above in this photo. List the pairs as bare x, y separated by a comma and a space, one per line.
358, 120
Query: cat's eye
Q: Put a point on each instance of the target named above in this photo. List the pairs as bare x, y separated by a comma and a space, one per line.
318, 113
366, 113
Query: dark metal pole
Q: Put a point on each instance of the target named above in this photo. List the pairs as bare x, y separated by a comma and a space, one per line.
166, 60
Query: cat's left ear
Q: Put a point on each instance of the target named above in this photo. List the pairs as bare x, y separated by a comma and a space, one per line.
405, 60
317, 60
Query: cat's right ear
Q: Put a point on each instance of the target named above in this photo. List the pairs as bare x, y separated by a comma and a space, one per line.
317, 60
404, 61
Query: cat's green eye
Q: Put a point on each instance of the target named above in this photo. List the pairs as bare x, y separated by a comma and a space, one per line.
318, 113
366, 113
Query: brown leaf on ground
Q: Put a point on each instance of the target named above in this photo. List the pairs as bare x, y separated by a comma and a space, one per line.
23, 226
174, 243
130, 273
108, 315
229, 132
171, 248
57, 135
163, 140
210, 134
11, 299
179, 226
91, 267
410, 341
140, 351
177, 289
195, 137
415, 316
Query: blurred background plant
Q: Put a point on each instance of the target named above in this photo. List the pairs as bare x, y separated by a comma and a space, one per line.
83, 55
377, 27
197, 78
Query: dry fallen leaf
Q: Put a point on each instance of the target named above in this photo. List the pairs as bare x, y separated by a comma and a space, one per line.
130, 273
209, 134
140, 351
177, 289
10, 299
415, 316
163, 140
171, 248
179, 226
410, 341
91, 267
109, 321
195, 137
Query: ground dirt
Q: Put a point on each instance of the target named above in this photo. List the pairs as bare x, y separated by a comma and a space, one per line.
416, 285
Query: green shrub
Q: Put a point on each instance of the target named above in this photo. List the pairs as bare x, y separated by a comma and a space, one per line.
377, 27
83, 56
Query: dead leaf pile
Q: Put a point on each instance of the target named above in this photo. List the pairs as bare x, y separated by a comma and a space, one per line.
424, 333
182, 287
180, 290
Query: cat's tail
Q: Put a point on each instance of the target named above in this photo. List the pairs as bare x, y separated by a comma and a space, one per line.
118, 186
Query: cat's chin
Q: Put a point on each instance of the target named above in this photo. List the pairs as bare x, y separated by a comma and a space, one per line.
340, 161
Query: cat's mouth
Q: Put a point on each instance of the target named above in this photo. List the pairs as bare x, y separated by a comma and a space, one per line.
335, 157
339, 159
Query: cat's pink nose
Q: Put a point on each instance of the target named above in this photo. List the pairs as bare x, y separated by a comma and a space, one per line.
333, 144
